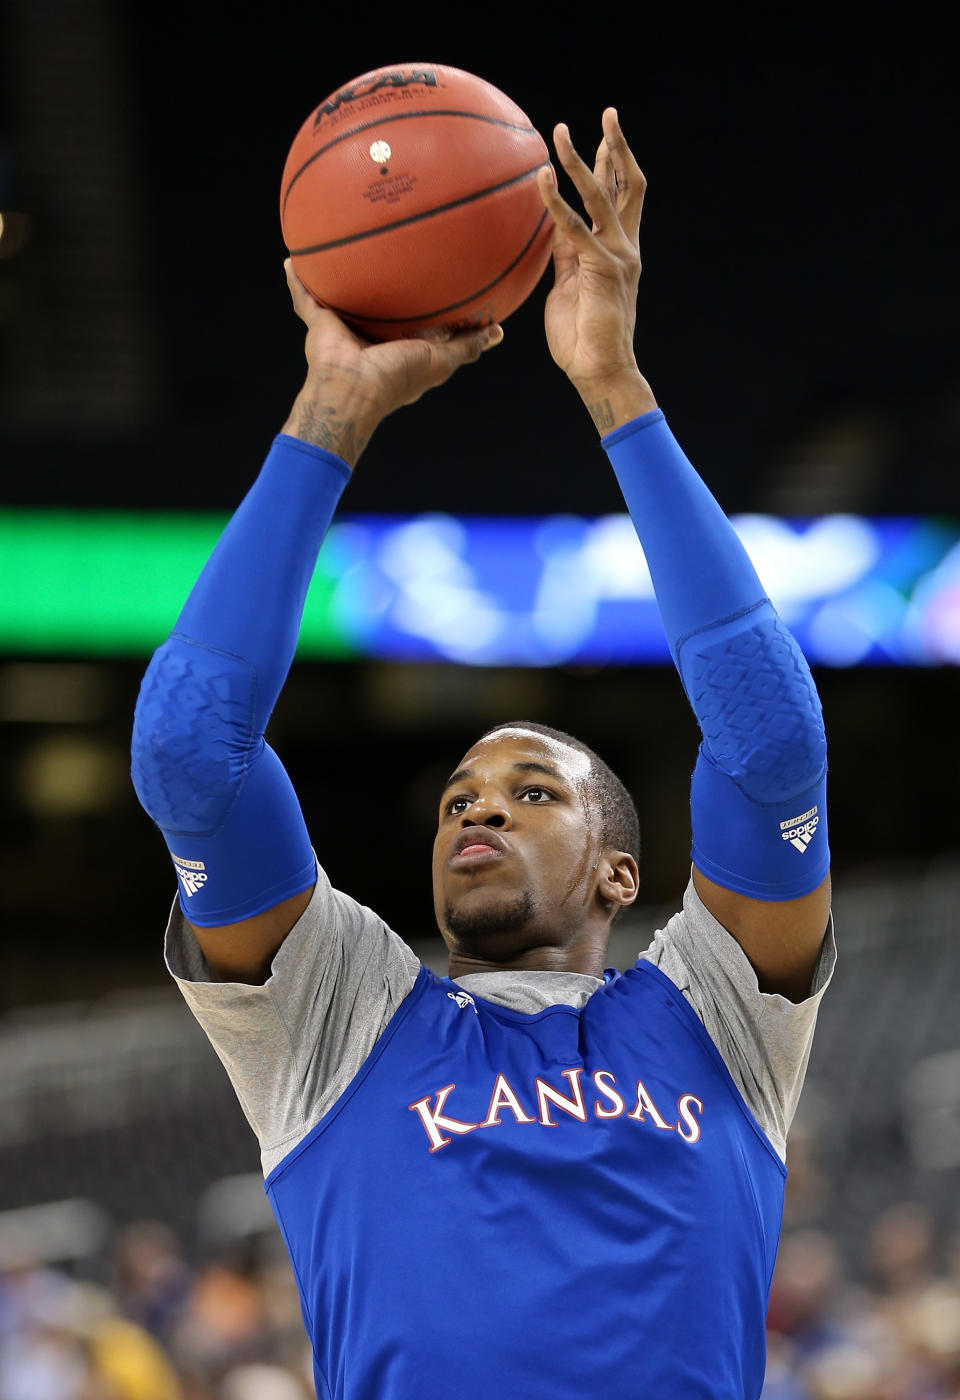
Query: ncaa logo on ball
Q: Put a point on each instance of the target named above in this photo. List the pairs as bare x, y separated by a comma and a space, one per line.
380, 152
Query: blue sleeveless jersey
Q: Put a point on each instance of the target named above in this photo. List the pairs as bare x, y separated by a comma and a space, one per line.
548, 1206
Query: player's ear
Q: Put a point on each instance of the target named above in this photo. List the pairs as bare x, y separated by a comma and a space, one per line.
619, 878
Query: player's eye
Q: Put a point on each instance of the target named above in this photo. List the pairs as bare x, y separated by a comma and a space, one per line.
456, 805
536, 795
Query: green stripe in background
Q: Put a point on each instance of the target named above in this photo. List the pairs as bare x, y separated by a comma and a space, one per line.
112, 583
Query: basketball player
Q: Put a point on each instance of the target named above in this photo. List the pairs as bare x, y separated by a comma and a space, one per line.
535, 1177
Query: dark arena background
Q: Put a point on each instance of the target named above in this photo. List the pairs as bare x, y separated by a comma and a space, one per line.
798, 322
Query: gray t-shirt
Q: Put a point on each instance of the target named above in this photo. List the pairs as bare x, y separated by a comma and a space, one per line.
292, 1046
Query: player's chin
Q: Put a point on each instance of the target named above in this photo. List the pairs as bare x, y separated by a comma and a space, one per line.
462, 898
487, 916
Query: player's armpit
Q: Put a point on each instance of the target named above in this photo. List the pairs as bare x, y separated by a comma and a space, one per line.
244, 951
781, 938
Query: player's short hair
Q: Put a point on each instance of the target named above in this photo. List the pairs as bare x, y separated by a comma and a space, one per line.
620, 825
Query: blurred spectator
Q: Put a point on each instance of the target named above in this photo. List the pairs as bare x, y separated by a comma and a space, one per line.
810, 1304
932, 1332
809, 1189
783, 1380
67, 1342
226, 1324
130, 1362
259, 1382
900, 1249
851, 1371
152, 1277
894, 1336
38, 1358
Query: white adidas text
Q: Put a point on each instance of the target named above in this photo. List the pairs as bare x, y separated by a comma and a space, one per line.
192, 874
799, 831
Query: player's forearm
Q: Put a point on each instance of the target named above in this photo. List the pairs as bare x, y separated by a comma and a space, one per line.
249, 598
700, 570
758, 793
211, 686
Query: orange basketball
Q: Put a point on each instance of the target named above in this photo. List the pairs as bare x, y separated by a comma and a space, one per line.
409, 202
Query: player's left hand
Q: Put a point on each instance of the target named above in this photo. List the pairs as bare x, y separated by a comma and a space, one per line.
591, 310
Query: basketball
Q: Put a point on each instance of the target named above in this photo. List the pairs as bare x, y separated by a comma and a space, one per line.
409, 202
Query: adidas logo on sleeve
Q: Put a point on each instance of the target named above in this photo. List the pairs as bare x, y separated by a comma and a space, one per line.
799, 831
192, 874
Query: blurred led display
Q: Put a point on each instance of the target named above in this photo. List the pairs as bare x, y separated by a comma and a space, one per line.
485, 591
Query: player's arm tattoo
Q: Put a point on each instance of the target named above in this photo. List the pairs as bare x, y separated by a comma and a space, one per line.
319, 424
602, 414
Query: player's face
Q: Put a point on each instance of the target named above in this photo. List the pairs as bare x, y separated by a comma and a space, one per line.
514, 860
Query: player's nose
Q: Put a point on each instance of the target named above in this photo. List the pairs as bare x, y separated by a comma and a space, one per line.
487, 810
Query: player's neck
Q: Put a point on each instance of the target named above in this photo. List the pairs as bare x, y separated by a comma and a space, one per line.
587, 955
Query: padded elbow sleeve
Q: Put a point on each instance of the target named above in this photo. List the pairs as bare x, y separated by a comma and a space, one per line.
757, 799
216, 790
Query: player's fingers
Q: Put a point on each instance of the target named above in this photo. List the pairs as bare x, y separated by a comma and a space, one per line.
570, 226
595, 198
445, 357
629, 180
304, 303
414, 364
465, 347
604, 172
321, 323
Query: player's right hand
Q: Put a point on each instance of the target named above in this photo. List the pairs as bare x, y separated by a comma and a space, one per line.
352, 384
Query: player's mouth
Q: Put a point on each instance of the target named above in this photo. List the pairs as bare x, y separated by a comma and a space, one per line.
475, 845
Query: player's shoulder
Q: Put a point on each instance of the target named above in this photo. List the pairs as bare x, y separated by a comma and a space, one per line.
678, 941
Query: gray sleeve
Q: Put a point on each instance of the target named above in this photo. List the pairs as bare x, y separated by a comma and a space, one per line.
292, 1046
763, 1038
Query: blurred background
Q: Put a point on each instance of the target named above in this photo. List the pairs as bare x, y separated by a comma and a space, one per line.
797, 320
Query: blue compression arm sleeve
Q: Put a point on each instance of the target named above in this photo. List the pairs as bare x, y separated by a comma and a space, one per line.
200, 765
757, 799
